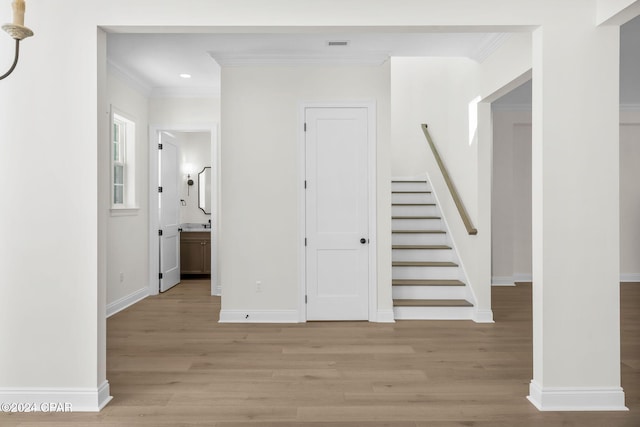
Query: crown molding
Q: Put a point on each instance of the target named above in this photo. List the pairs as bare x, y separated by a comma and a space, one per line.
260, 58
160, 92
190, 92
128, 78
488, 46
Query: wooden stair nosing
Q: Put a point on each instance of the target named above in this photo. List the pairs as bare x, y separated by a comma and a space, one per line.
419, 231
424, 247
426, 282
423, 264
431, 303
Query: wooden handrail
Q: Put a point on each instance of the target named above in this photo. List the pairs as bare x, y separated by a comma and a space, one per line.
452, 189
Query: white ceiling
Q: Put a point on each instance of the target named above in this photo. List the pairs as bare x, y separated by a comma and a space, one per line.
155, 61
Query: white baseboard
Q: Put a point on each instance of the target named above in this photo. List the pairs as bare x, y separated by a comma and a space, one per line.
521, 277
576, 399
57, 400
502, 281
127, 301
217, 290
483, 316
511, 280
386, 316
259, 316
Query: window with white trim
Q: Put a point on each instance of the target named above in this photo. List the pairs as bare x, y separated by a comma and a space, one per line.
123, 131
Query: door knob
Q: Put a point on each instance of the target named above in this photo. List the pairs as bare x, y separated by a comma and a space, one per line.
363, 240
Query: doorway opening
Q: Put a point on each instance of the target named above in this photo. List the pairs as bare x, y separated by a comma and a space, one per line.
183, 199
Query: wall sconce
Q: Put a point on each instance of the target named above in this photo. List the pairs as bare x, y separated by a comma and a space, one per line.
17, 31
188, 169
189, 183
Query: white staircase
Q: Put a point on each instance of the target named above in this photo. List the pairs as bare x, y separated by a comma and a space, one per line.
428, 283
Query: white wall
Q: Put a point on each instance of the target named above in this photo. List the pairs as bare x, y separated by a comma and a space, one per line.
260, 176
184, 112
511, 244
630, 196
66, 291
511, 197
435, 91
506, 68
630, 62
195, 151
127, 235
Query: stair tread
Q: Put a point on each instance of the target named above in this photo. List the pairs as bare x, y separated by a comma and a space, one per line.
431, 303
419, 231
413, 204
416, 217
426, 282
424, 264
410, 192
420, 247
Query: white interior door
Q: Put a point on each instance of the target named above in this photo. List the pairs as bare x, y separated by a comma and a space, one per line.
337, 214
169, 213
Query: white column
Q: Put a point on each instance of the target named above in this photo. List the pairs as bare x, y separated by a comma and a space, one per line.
576, 330
482, 241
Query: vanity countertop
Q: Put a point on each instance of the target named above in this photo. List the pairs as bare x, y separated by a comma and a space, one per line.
194, 227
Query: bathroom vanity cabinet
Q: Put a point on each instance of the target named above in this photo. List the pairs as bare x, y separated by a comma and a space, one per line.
195, 253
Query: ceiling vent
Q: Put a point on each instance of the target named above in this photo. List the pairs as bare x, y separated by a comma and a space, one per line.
337, 43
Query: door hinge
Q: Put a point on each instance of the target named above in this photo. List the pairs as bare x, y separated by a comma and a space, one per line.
159, 189
305, 241
305, 127
305, 299
305, 184
160, 275
159, 146
159, 232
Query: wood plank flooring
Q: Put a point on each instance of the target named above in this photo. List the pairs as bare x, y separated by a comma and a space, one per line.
171, 364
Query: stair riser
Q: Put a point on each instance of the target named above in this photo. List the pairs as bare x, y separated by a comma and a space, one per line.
430, 292
410, 186
419, 238
435, 273
422, 255
416, 224
430, 210
412, 198
433, 313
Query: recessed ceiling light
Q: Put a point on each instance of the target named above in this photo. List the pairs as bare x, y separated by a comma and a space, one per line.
185, 76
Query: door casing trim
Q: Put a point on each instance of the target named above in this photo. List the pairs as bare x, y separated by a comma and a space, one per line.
370, 105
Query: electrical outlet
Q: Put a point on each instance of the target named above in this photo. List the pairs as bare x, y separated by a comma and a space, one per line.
258, 286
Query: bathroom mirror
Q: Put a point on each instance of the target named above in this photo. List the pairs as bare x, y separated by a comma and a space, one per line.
204, 190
